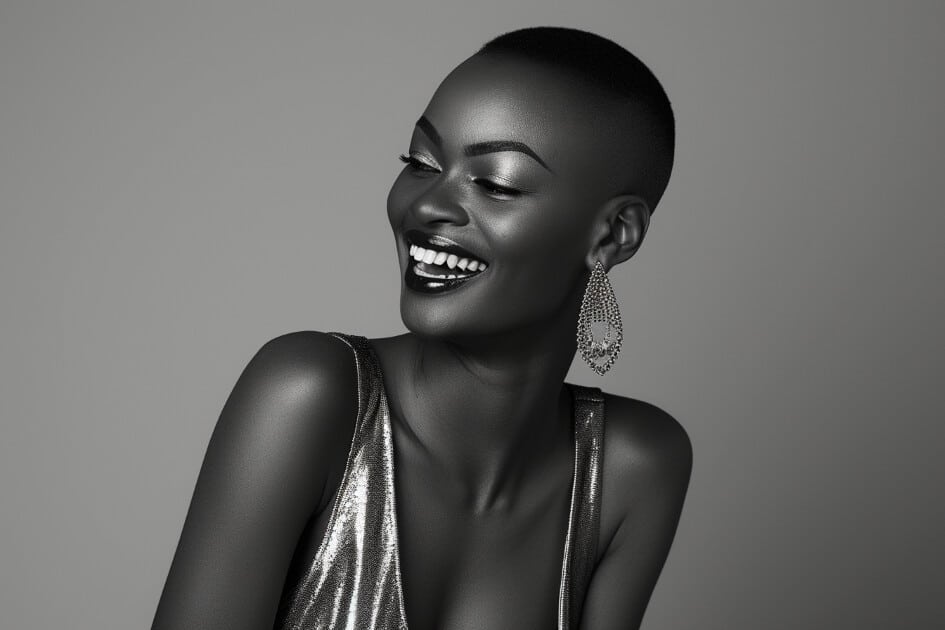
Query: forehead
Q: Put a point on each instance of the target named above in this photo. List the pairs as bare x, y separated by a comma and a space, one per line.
485, 98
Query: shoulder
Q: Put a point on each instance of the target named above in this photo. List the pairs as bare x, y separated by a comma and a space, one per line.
645, 439
306, 367
305, 371
647, 461
282, 431
646, 465
295, 403
308, 353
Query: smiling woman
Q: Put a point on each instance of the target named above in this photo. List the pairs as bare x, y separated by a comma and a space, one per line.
449, 477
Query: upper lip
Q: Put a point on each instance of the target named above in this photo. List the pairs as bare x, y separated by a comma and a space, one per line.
440, 243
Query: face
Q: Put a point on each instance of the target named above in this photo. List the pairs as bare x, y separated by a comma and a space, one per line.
493, 210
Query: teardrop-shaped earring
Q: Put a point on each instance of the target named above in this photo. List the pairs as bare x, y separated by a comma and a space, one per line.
599, 331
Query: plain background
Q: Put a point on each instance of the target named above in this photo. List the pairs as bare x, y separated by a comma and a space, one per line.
180, 184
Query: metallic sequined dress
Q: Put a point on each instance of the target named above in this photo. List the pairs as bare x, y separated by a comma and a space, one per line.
354, 581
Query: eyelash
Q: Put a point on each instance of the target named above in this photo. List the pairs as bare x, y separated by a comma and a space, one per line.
415, 163
490, 186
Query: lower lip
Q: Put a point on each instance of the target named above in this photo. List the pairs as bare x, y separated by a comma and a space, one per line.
422, 284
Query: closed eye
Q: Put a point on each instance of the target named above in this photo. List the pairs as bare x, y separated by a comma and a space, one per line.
488, 185
416, 164
496, 189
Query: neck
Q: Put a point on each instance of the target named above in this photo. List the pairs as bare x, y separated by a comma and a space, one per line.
488, 411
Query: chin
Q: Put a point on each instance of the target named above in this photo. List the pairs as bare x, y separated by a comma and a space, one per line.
446, 319
444, 307
466, 320
432, 320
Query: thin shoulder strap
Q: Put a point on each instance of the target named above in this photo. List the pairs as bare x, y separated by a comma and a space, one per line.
368, 378
357, 343
584, 522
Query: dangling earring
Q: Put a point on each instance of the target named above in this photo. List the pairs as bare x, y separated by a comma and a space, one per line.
599, 331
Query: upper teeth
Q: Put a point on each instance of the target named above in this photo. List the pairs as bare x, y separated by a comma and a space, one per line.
434, 257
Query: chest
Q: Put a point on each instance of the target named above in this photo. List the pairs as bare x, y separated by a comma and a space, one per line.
499, 569
460, 570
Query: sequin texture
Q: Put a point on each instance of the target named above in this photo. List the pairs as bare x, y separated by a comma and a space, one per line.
354, 580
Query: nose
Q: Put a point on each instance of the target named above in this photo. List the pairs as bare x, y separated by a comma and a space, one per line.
439, 203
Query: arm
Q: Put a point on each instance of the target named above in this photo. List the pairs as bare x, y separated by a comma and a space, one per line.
262, 477
653, 462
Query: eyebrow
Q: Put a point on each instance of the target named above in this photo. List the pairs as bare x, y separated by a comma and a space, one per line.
480, 148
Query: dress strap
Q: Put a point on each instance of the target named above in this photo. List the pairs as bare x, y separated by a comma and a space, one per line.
367, 370
357, 343
584, 519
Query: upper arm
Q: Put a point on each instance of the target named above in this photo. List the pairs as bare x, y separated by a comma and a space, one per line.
262, 476
649, 475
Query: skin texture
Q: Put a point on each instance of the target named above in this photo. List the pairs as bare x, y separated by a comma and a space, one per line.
480, 417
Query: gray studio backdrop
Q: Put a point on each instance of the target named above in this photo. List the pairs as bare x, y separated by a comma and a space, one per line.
181, 183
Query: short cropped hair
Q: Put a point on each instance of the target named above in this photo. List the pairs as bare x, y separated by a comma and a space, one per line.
615, 70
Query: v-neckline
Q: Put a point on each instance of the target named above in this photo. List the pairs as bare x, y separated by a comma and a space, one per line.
395, 525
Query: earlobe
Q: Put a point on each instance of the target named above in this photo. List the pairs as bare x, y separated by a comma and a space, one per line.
623, 223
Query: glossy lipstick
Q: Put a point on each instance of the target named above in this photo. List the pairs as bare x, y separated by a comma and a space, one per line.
424, 275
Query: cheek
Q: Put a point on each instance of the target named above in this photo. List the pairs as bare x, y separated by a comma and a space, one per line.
542, 262
545, 238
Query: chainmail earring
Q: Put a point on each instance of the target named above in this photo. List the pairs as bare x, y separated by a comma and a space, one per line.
599, 331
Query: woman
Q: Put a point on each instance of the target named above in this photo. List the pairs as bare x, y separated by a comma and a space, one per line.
519, 501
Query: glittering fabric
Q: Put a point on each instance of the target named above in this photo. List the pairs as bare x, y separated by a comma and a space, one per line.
354, 580
580, 547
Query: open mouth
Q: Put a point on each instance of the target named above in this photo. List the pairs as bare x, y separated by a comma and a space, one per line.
439, 264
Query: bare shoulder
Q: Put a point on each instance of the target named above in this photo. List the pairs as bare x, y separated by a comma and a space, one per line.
292, 411
647, 462
282, 434
304, 384
308, 353
303, 368
646, 467
644, 438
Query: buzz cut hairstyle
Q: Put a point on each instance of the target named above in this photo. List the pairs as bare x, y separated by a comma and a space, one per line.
613, 69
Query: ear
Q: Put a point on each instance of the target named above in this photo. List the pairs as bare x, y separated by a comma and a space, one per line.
618, 232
